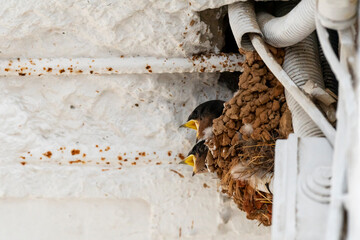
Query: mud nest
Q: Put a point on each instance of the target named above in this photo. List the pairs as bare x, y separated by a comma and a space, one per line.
245, 134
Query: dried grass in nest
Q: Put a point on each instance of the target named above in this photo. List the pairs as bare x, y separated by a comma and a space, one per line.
257, 158
246, 132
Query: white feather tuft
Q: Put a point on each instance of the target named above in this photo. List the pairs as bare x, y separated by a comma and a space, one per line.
257, 181
208, 132
237, 172
248, 129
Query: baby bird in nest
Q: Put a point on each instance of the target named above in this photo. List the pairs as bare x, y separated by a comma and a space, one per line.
202, 117
197, 158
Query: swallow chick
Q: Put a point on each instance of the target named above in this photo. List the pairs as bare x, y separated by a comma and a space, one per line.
197, 158
202, 117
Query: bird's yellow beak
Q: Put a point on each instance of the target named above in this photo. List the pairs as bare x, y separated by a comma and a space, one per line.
190, 160
193, 124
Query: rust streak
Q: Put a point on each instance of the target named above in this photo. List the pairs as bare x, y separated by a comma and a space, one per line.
180, 175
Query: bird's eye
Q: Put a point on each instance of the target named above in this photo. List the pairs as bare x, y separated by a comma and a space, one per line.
196, 114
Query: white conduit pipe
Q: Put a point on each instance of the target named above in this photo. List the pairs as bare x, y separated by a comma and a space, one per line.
337, 14
121, 65
291, 28
310, 108
346, 115
354, 163
341, 74
302, 63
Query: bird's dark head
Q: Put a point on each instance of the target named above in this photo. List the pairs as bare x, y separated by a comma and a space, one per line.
211, 108
197, 157
203, 115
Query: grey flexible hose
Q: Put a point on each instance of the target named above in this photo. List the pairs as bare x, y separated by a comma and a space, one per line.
328, 75
289, 29
302, 63
243, 14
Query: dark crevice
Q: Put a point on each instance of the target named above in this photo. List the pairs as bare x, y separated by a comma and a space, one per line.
229, 79
230, 43
218, 23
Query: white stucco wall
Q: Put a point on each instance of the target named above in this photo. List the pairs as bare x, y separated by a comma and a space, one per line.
134, 117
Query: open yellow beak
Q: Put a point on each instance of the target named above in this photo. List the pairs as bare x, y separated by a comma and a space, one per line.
190, 160
193, 124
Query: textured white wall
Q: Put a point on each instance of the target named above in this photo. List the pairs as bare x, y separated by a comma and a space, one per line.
100, 28
93, 194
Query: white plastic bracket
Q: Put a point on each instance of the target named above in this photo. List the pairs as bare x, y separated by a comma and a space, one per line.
301, 188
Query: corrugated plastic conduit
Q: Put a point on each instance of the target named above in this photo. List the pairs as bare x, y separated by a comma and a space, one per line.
239, 14
329, 77
301, 63
242, 21
288, 30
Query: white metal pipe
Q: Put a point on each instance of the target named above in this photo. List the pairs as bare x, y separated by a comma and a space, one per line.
304, 101
291, 28
121, 65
